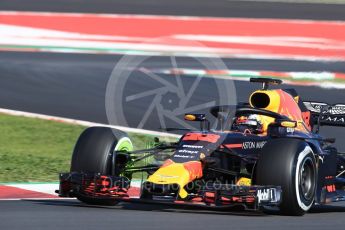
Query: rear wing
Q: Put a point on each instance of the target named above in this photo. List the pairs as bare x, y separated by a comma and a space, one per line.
325, 114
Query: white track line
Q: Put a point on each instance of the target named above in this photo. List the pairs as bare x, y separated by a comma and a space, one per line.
42, 188
49, 189
48, 198
84, 123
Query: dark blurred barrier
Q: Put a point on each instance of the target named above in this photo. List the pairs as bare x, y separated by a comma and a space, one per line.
218, 8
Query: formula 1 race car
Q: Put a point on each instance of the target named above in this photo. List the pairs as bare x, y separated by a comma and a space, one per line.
265, 153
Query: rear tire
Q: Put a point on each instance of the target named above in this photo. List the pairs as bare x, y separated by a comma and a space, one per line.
289, 163
93, 154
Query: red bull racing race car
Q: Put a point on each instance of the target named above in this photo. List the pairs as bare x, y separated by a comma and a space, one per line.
265, 153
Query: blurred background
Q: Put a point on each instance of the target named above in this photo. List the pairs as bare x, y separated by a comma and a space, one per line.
140, 65
143, 64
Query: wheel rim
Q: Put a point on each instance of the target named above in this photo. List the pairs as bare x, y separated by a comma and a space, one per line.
307, 179
124, 144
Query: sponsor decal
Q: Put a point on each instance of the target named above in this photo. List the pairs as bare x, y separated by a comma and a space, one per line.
266, 195
334, 119
253, 145
337, 109
187, 151
314, 106
186, 154
182, 156
193, 146
290, 130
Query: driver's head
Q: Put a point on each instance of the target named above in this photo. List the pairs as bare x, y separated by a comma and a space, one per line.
250, 123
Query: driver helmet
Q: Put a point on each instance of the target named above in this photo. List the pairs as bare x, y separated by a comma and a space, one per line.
251, 123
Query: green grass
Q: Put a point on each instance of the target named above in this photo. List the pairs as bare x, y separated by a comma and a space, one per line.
34, 150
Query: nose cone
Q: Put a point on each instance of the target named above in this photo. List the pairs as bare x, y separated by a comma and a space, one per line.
177, 173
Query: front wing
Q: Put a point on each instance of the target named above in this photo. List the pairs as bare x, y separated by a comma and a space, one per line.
101, 187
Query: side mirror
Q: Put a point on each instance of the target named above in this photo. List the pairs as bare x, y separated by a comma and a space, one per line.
204, 123
288, 124
281, 128
194, 117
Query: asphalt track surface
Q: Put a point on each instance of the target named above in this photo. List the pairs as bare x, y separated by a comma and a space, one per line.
71, 214
73, 85
218, 8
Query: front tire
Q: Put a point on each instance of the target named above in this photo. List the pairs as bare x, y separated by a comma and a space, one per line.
93, 154
289, 163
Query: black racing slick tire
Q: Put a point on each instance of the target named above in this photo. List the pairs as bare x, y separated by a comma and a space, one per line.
289, 163
93, 154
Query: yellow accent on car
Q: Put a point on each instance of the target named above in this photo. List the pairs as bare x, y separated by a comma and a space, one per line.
296, 99
243, 181
268, 100
288, 124
172, 174
190, 117
272, 100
